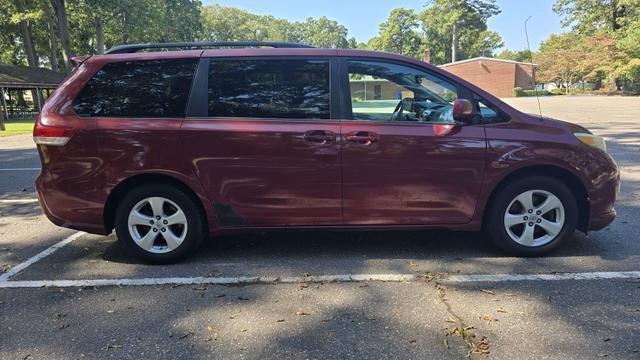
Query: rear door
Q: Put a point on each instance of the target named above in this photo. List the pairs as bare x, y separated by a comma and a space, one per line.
263, 140
404, 160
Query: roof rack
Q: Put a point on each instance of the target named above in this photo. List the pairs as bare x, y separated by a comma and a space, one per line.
127, 49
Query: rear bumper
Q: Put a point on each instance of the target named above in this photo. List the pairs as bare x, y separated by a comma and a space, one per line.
67, 210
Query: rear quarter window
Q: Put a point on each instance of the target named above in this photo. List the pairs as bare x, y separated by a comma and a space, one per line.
150, 88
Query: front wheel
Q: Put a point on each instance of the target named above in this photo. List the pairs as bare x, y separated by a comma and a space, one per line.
159, 223
532, 216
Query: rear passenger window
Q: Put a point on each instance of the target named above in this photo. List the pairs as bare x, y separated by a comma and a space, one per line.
289, 89
153, 88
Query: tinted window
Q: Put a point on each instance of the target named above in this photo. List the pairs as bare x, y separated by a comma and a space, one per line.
155, 88
291, 89
392, 92
487, 113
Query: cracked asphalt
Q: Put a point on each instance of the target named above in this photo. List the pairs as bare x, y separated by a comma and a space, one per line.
570, 319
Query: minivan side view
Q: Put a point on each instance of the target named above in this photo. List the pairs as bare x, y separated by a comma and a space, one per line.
170, 144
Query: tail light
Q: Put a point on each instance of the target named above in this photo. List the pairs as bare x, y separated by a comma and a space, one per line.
51, 135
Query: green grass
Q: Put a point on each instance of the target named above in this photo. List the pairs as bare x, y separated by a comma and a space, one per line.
17, 127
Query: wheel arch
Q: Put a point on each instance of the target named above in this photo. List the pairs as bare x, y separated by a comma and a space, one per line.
572, 181
126, 185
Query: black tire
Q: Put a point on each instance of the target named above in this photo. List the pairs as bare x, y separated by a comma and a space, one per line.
495, 220
195, 228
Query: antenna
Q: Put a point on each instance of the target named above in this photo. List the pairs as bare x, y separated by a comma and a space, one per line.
533, 70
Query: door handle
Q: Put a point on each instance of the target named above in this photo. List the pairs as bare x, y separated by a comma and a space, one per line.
320, 136
363, 137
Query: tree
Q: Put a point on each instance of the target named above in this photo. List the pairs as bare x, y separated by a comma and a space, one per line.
558, 59
521, 56
399, 34
612, 27
588, 16
24, 17
63, 27
457, 29
231, 24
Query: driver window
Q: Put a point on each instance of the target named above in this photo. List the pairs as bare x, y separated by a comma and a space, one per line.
392, 92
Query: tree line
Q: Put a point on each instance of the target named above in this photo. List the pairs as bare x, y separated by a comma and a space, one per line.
47, 33
600, 44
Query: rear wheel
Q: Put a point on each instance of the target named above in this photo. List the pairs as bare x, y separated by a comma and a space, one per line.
159, 223
532, 216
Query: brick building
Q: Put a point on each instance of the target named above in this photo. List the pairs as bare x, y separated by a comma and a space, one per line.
496, 76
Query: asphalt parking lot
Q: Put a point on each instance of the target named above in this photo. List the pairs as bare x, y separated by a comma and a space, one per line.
326, 294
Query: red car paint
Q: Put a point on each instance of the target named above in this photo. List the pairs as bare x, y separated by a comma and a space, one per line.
255, 174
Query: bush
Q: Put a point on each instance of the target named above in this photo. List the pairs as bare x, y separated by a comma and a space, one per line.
518, 92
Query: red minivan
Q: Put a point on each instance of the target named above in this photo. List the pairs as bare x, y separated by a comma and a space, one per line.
171, 147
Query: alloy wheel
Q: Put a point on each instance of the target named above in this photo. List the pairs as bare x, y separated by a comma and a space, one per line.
158, 225
534, 218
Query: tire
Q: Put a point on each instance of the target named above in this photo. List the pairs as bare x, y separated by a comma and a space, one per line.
178, 231
547, 224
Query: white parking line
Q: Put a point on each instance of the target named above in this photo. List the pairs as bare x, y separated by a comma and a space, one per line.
249, 280
21, 169
44, 253
18, 201
253, 280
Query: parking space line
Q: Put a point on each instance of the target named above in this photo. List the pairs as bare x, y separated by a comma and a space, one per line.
249, 280
20, 169
18, 201
44, 253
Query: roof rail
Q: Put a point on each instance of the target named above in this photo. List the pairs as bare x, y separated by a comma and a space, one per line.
126, 49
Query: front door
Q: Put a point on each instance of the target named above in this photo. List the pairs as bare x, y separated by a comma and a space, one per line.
268, 150
404, 162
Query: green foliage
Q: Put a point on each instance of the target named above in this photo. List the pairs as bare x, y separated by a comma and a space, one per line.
521, 56
609, 31
399, 34
470, 19
518, 92
232, 24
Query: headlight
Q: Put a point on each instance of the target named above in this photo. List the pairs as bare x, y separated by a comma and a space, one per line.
592, 140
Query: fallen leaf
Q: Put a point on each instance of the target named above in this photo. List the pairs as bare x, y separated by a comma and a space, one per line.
501, 310
482, 347
412, 263
185, 335
213, 329
301, 313
280, 320
413, 341
446, 343
606, 339
364, 285
63, 326
215, 273
243, 330
487, 291
306, 274
451, 320
113, 346
109, 311
58, 316
242, 298
371, 317
488, 319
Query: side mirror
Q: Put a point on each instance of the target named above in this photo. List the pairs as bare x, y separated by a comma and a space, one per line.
463, 110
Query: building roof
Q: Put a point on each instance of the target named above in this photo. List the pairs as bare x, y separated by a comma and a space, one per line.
482, 58
12, 76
